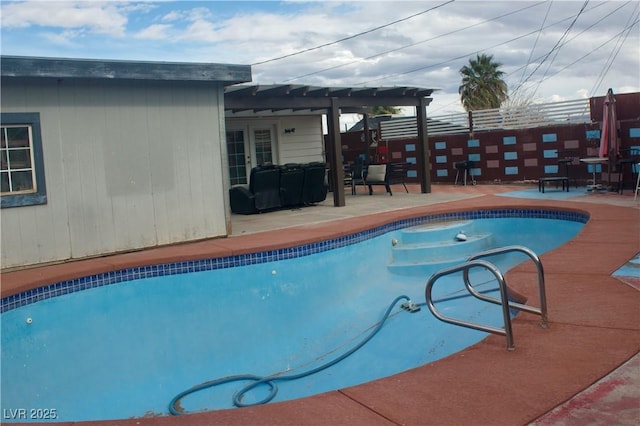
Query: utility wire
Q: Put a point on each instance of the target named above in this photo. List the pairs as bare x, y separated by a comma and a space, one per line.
626, 29
353, 36
472, 53
523, 68
535, 44
614, 52
556, 47
462, 56
634, 16
412, 44
572, 38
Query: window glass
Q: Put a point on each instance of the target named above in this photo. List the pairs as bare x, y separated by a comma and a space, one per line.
16, 160
263, 146
236, 154
21, 162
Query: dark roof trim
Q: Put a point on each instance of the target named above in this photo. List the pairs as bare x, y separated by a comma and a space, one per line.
299, 97
22, 66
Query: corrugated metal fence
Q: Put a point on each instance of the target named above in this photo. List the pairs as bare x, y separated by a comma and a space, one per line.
535, 115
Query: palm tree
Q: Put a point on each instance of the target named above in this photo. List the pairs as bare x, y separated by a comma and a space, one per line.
383, 110
482, 84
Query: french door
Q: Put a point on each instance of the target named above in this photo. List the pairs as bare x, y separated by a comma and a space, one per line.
244, 152
262, 146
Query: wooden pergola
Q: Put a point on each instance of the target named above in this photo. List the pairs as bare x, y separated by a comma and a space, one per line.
332, 101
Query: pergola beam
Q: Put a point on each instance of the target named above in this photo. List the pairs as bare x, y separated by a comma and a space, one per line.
333, 102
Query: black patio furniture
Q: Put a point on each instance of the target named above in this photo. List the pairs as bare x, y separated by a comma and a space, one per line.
273, 187
397, 174
377, 174
314, 189
291, 184
630, 158
465, 167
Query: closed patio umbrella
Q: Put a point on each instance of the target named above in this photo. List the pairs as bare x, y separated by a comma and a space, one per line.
609, 134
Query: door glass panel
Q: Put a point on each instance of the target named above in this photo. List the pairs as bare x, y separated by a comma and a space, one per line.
264, 153
236, 154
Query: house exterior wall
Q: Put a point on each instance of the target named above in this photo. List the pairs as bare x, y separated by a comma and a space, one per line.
303, 145
128, 165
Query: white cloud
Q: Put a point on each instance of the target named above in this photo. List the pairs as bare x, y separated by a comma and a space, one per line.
427, 50
100, 17
68, 38
174, 15
200, 30
154, 32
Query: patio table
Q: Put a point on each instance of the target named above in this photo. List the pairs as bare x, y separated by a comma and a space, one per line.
593, 161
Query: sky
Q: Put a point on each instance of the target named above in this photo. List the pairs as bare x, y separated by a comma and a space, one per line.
550, 51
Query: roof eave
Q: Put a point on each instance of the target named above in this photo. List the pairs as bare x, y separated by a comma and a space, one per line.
33, 67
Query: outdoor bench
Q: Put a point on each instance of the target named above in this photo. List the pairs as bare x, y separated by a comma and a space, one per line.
562, 179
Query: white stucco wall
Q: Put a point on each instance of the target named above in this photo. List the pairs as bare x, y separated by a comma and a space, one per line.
304, 145
127, 166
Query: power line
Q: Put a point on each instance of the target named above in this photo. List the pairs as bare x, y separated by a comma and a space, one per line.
626, 29
556, 46
412, 44
624, 32
484, 49
555, 55
353, 36
535, 44
572, 38
521, 83
466, 54
613, 55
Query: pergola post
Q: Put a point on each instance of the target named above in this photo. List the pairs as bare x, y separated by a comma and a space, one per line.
424, 161
334, 153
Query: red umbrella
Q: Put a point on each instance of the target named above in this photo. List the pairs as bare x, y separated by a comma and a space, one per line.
609, 134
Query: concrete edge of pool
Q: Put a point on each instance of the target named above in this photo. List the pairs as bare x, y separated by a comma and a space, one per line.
594, 329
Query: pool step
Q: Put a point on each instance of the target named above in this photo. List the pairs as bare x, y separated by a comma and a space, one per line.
436, 231
425, 249
440, 250
424, 268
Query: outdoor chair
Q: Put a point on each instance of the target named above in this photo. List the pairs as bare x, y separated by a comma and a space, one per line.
291, 184
262, 193
377, 175
397, 174
314, 188
358, 172
630, 158
264, 183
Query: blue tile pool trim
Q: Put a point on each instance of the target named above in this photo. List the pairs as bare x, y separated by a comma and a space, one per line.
108, 278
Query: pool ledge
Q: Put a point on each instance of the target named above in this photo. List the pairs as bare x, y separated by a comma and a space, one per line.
19, 281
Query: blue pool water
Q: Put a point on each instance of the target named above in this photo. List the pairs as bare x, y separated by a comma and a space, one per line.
126, 349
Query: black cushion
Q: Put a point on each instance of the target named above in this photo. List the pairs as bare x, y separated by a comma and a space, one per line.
242, 200
314, 189
264, 183
291, 183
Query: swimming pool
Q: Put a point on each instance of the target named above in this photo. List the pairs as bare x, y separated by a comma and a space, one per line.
288, 310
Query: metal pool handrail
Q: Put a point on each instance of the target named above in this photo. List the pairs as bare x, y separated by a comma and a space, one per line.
503, 295
542, 311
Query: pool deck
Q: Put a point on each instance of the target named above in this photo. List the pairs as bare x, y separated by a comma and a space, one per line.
583, 369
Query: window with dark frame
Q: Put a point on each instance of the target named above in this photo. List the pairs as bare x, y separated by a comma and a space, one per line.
21, 161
